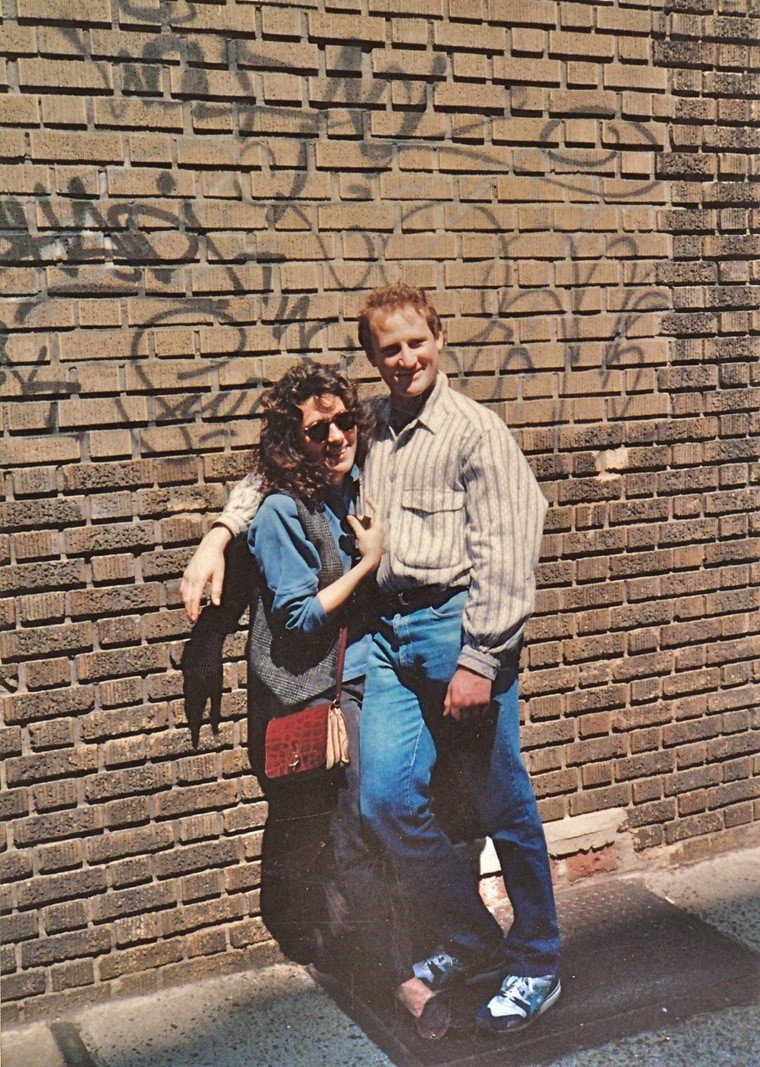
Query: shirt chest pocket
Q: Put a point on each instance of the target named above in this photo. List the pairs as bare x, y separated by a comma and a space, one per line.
430, 534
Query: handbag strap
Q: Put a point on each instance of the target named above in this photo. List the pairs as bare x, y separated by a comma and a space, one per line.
341, 658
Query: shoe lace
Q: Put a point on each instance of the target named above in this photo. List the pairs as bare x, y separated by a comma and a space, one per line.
516, 987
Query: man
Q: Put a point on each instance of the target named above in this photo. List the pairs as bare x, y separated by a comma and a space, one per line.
463, 516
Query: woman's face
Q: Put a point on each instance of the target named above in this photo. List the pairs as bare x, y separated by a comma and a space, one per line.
336, 451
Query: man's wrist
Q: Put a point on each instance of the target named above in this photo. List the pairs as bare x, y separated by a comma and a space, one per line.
220, 533
478, 662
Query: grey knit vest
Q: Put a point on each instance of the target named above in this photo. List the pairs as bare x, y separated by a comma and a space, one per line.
287, 670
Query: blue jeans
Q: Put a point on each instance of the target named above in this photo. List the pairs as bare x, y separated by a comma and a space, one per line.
412, 659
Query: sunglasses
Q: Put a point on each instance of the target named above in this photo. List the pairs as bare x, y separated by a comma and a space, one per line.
318, 431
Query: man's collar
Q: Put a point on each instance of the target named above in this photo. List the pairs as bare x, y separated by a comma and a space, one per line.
431, 415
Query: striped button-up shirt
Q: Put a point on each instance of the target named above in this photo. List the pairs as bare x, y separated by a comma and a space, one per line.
460, 507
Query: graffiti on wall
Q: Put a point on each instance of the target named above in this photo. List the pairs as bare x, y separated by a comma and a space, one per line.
105, 247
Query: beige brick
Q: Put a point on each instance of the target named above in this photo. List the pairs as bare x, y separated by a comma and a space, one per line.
64, 111
218, 152
624, 20
634, 50
211, 18
469, 37
54, 75
356, 92
343, 60
634, 76
110, 444
20, 281
588, 45
109, 44
408, 63
128, 113
527, 40
55, 147
455, 158
17, 40
278, 121
405, 31
19, 111
150, 149
422, 218
101, 344
342, 157
281, 88
577, 101
346, 28
277, 22
538, 13
412, 187
360, 216
582, 75
531, 71
147, 312
421, 127
12, 145
97, 11
526, 131
432, 8
472, 97
201, 83
421, 246
223, 215
244, 278
27, 451
145, 181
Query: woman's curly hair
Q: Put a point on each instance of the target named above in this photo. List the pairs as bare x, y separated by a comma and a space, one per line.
280, 460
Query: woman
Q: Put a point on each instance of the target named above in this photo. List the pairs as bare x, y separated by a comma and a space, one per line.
312, 554
316, 557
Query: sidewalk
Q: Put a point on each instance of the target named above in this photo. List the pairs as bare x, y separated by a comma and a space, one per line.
661, 970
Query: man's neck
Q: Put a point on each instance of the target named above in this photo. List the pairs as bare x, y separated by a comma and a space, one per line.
405, 411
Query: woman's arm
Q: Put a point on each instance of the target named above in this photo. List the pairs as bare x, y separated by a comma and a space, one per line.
290, 566
369, 542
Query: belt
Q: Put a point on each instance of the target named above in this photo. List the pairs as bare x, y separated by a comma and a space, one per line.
419, 596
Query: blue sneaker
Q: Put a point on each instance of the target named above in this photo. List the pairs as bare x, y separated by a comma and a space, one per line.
519, 1002
439, 971
442, 970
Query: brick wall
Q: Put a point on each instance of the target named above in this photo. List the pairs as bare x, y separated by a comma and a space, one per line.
195, 194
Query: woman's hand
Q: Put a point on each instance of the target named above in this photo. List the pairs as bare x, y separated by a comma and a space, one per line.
370, 538
369, 542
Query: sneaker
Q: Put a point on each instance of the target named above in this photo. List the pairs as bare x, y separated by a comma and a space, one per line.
442, 970
519, 1002
439, 971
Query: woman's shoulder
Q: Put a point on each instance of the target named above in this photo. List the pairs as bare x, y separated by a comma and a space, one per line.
275, 507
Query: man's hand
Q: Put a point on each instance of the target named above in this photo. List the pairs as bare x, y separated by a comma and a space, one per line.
468, 696
206, 566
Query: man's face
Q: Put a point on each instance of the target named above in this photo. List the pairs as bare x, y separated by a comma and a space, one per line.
405, 352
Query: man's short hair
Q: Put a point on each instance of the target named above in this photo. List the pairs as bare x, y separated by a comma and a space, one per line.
391, 297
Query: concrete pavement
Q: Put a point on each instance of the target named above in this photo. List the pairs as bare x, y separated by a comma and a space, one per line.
280, 1017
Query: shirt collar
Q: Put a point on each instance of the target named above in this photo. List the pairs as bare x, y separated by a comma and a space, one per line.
432, 415
345, 494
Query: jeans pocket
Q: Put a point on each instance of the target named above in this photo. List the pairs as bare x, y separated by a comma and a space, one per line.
451, 607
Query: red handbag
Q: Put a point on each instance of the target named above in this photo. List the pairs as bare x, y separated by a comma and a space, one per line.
299, 742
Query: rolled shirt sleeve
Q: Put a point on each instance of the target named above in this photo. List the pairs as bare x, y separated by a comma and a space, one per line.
242, 503
289, 563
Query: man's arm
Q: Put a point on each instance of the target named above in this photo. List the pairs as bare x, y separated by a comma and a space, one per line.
206, 566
